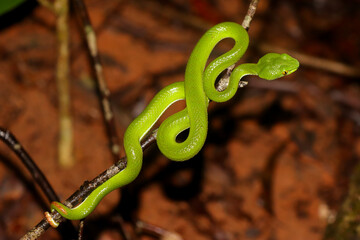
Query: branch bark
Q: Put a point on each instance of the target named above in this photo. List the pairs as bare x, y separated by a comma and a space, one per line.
65, 145
100, 79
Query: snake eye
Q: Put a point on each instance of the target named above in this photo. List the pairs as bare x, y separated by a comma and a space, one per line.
284, 72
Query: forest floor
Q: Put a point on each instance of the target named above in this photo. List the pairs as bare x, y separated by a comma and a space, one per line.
278, 157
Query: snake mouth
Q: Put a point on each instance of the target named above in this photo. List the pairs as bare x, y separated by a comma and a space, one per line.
291, 71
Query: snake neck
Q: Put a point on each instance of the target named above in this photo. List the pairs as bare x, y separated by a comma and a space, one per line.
226, 91
245, 70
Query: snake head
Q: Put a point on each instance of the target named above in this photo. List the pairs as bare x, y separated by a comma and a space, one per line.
274, 65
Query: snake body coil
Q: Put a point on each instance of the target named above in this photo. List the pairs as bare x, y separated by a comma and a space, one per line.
197, 88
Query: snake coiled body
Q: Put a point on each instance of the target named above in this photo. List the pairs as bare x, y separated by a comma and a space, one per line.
197, 88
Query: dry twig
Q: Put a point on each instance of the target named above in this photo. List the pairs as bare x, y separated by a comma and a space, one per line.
100, 80
9, 139
65, 146
62, 78
316, 62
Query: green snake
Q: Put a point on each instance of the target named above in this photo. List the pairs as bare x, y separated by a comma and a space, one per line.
197, 88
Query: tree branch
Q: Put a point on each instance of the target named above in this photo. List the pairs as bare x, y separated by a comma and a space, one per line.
100, 80
9, 139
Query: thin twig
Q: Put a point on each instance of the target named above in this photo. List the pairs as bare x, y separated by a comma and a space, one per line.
156, 231
37, 231
100, 80
9, 139
88, 187
316, 62
119, 225
65, 145
81, 230
250, 14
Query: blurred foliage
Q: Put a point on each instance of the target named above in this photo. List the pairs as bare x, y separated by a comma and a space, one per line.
8, 5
